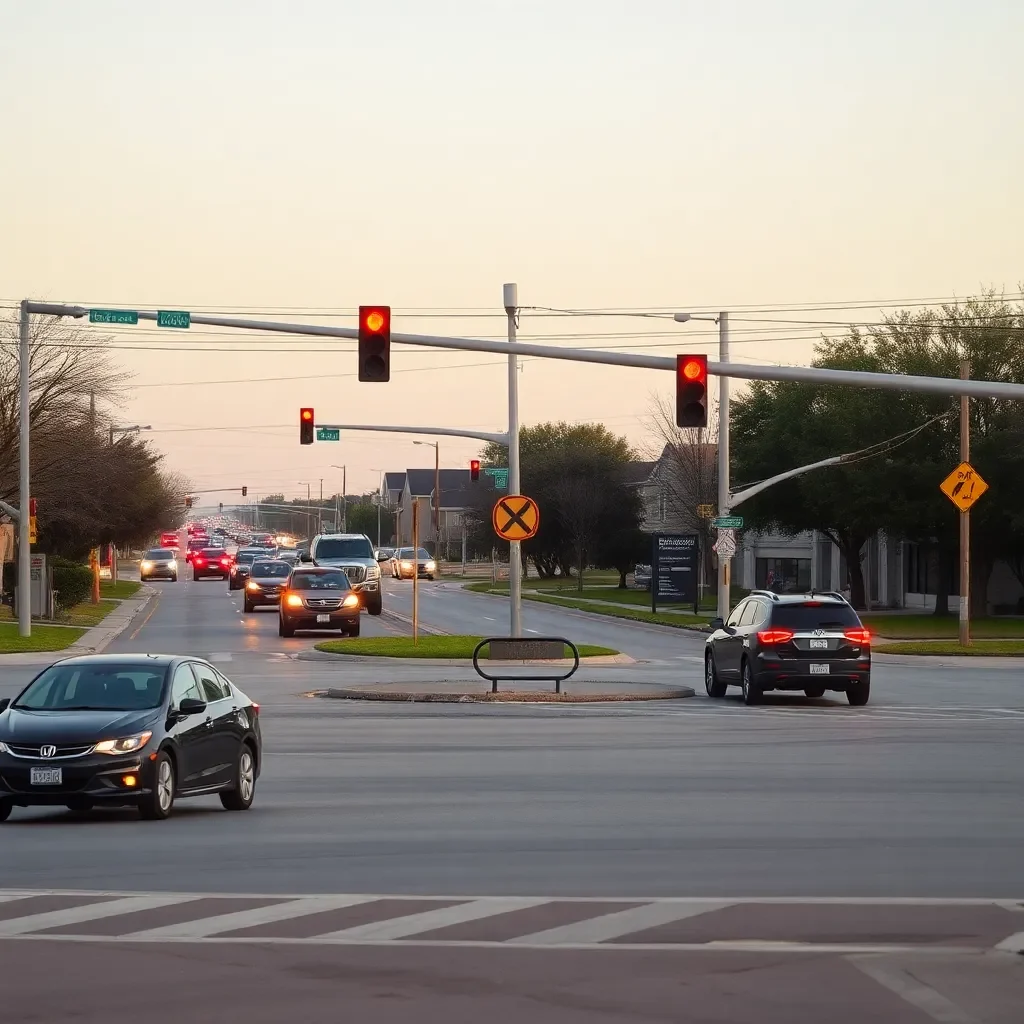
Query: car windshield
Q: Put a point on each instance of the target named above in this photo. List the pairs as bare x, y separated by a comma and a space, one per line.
267, 569
113, 687
814, 616
319, 581
421, 553
343, 547
158, 555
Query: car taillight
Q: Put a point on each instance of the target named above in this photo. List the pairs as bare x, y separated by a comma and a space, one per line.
861, 637
225, 562
196, 560
255, 708
775, 636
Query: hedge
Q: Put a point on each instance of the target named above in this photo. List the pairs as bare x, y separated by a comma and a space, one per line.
71, 580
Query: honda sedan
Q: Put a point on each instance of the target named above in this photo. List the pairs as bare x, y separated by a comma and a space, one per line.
128, 729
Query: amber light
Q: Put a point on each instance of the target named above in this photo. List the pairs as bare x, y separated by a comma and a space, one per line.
130, 781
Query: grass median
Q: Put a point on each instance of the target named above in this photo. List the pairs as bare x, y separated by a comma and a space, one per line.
43, 638
454, 647
979, 648
941, 627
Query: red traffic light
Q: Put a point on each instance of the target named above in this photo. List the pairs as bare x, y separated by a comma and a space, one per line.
692, 391
305, 426
375, 343
307, 414
474, 469
694, 368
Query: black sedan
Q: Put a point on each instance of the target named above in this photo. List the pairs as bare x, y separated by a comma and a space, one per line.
318, 598
266, 579
128, 729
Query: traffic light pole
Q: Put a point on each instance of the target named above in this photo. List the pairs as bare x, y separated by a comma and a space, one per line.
24, 546
724, 496
510, 296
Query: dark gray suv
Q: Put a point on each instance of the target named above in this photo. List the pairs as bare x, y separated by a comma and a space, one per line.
810, 642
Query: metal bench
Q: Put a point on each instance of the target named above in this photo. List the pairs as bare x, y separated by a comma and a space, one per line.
540, 648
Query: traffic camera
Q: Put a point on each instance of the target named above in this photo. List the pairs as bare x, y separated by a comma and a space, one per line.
375, 343
692, 391
305, 426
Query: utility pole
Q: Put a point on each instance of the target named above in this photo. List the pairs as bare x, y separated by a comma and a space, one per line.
724, 564
965, 517
510, 297
24, 548
344, 499
415, 570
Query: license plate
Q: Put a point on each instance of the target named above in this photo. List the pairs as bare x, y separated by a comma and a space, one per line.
819, 670
45, 776
819, 645
323, 618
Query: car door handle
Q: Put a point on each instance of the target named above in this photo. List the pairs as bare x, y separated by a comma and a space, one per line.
209, 723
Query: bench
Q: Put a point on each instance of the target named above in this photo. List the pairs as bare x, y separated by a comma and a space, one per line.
526, 649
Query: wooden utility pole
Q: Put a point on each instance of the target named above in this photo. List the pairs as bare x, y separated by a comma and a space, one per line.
415, 570
965, 517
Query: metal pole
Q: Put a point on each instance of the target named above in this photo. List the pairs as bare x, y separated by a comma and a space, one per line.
380, 500
437, 499
510, 295
344, 499
723, 460
965, 517
415, 570
24, 548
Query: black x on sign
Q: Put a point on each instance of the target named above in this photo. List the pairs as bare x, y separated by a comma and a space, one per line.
516, 517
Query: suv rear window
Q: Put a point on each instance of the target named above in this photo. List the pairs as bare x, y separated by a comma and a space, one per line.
813, 615
343, 547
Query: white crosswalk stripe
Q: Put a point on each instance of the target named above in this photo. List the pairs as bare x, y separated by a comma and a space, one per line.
89, 912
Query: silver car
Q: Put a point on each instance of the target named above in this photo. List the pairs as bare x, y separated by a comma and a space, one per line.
403, 559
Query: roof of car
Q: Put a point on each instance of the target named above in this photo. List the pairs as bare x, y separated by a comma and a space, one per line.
125, 659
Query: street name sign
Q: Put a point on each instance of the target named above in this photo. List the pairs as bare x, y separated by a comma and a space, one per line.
328, 433
728, 523
113, 316
516, 517
173, 318
964, 486
499, 475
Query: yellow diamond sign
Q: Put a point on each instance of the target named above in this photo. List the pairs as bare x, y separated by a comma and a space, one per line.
964, 486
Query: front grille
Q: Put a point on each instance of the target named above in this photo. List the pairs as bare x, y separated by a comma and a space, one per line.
33, 752
323, 602
356, 573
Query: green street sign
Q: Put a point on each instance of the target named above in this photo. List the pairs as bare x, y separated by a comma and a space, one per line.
113, 316
500, 477
173, 318
728, 523
328, 433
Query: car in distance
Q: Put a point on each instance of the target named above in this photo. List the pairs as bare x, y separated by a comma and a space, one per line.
353, 554
169, 540
195, 544
123, 729
384, 554
215, 562
404, 560
318, 598
243, 560
159, 564
812, 642
265, 582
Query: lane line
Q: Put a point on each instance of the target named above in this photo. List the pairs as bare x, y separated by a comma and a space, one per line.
156, 604
913, 991
17, 926
1013, 944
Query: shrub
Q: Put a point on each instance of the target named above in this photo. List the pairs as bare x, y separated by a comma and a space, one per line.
72, 582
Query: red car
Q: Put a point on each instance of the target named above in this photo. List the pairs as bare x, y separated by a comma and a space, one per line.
169, 540
214, 562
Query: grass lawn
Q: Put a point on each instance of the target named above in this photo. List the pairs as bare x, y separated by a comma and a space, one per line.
980, 648
119, 590
427, 647
43, 638
911, 627
84, 614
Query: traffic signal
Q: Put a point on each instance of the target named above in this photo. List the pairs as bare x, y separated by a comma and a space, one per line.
375, 343
245, 491
474, 469
305, 426
691, 391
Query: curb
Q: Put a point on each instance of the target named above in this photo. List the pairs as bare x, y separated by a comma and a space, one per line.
505, 696
597, 660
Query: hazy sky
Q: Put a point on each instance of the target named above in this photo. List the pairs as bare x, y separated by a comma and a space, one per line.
297, 158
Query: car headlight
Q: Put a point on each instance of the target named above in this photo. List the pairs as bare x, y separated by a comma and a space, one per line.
126, 745
430, 566
252, 585
146, 565
352, 601
407, 565
172, 564
293, 601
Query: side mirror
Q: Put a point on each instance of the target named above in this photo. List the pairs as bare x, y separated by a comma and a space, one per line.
5, 703
305, 557
191, 706
717, 623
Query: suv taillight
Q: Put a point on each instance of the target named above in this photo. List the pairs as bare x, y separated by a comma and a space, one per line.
775, 636
861, 637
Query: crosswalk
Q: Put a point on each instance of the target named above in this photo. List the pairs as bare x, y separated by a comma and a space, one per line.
778, 925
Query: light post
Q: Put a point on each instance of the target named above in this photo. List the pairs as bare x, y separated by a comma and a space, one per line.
436, 445
309, 501
344, 498
380, 498
723, 447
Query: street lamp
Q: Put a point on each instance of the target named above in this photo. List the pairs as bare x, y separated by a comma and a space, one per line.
436, 445
344, 499
723, 447
125, 430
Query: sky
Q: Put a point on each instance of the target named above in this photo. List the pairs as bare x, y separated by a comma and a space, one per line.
800, 164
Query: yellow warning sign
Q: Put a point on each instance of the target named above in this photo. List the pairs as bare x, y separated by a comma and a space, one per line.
964, 486
516, 517
32, 535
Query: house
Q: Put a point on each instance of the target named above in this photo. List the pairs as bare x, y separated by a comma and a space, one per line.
418, 487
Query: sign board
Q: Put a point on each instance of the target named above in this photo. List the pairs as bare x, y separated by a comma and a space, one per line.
173, 318
515, 517
964, 486
113, 316
328, 433
705, 511
675, 562
499, 475
728, 523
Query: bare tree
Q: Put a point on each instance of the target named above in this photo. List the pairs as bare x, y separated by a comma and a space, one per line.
580, 503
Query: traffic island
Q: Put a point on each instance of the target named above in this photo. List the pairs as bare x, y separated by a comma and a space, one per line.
448, 648
479, 691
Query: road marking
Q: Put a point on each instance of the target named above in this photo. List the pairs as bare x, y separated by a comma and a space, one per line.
142, 626
220, 656
1014, 944
620, 922
429, 920
913, 991
249, 918
90, 912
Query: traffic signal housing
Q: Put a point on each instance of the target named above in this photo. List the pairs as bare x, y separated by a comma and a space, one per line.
375, 343
474, 469
692, 391
305, 426
245, 491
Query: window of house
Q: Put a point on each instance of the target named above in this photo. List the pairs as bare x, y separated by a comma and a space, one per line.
783, 575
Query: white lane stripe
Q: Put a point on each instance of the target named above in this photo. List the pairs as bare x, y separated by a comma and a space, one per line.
913, 991
619, 922
90, 912
248, 918
428, 920
1013, 944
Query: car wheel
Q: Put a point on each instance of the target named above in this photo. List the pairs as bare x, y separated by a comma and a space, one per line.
814, 692
6, 806
375, 607
156, 806
174, 578
283, 629
239, 797
714, 686
354, 631
248, 606
857, 693
751, 693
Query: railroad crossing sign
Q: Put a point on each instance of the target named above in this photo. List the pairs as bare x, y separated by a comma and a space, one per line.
964, 486
516, 517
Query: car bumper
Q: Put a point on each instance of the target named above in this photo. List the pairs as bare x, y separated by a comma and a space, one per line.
795, 674
262, 599
202, 574
94, 778
159, 574
367, 587
348, 619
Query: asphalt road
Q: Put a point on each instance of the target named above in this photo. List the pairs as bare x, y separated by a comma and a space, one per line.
917, 795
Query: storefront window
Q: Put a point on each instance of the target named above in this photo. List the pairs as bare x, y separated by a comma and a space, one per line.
783, 575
